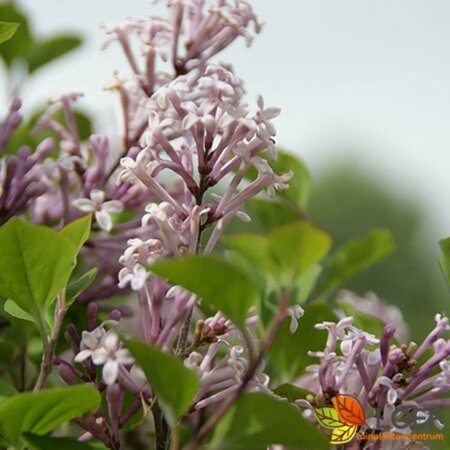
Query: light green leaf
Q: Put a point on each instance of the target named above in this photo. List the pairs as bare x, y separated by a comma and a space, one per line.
254, 248
444, 258
328, 418
216, 281
354, 257
258, 420
44, 52
175, 384
35, 266
75, 288
14, 310
296, 247
18, 47
78, 231
306, 283
7, 30
41, 412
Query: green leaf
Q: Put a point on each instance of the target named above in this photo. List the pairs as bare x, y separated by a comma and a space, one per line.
354, 257
366, 322
18, 47
6, 352
44, 52
175, 384
258, 420
216, 281
306, 283
41, 412
290, 392
6, 391
78, 231
328, 418
24, 134
299, 190
57, 443
14, 310
296, 247
7, 30
288, 356
35, 266
75, 288
444, 258
252, 247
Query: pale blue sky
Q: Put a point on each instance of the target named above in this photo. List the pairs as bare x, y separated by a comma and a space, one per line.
373, 76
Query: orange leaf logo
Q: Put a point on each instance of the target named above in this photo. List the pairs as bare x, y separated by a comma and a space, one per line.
349, 410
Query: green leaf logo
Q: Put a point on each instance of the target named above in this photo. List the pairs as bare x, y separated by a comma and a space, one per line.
343, 419
328, 418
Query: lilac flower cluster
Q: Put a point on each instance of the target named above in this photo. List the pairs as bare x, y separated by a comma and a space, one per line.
379, 372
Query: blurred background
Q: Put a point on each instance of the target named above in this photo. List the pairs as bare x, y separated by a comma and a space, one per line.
365, 93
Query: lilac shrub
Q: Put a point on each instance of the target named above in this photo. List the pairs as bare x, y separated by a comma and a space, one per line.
159, 327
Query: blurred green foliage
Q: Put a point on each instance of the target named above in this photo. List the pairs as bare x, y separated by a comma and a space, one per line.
348, 201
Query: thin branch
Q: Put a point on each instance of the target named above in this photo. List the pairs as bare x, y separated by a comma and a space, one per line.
50, 346
210, 425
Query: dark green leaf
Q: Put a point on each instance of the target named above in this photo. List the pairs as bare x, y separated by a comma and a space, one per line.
288, 357
7, 30
43, 52
444, 258
290, 392
175, 384
299, 189
56, 443
6, 390
366, 322
35, 266
258, 420
41, 412
216, 281
6, 351
354, 257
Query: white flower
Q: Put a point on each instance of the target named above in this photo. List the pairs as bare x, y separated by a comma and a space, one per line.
137, 277
100, 208
266, 114
393, 390
107, 352
279, 183
444, 378
295, 312
160, 212
90, 342
130, 166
